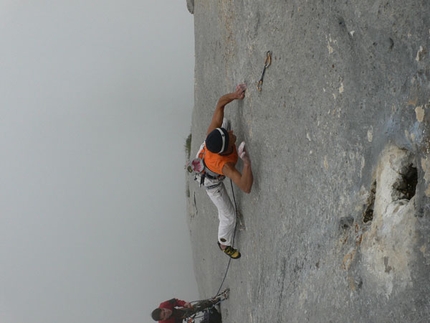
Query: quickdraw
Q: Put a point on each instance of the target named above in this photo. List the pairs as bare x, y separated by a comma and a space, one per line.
267, 63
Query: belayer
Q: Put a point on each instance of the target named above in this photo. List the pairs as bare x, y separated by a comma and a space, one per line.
176, 310
217, 159
171, 311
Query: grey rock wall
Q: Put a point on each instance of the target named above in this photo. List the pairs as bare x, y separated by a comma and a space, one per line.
337, 226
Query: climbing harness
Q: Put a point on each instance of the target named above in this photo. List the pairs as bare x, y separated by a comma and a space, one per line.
267, 63
201, 174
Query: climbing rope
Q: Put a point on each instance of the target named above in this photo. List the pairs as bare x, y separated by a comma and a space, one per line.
234, 235
267, 63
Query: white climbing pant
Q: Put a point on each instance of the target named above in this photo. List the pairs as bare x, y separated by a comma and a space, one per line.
226, 213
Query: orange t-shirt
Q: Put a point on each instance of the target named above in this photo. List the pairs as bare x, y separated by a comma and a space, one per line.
216, 162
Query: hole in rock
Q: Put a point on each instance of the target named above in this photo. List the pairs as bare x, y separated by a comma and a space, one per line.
407, 183
368, 213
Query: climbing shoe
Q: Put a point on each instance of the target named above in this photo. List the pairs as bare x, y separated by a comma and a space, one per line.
230, 251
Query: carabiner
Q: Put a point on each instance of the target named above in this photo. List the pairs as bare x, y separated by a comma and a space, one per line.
268, 60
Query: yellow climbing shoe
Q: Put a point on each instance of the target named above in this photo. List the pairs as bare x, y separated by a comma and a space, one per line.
231, 252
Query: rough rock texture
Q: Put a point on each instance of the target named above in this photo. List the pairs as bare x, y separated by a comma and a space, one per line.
337, 226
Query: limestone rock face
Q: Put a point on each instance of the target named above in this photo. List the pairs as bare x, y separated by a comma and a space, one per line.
337, 225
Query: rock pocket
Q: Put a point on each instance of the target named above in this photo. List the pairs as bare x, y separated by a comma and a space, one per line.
387, 244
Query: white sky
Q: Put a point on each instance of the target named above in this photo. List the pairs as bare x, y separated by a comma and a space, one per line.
95, 106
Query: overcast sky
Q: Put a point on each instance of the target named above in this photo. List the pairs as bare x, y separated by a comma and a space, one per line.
95, 106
